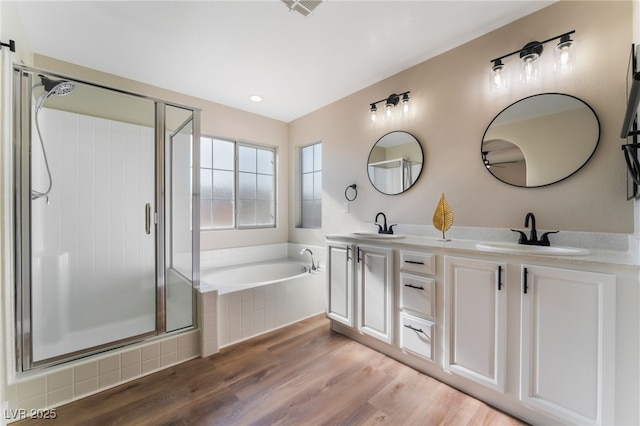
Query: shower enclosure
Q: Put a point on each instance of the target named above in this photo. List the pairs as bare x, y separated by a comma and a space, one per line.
105, 205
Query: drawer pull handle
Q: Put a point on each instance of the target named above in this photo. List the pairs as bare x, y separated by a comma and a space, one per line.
414, 262
413, 286
147, 218
417, 330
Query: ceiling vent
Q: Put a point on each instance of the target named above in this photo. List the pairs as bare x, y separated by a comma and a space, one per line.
303, 7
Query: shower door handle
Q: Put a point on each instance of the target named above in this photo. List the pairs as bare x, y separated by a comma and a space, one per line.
147, 218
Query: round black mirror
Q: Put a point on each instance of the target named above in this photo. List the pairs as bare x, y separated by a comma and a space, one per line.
540, 140
395, 163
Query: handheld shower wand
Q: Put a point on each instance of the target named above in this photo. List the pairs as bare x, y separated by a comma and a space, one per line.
51, 88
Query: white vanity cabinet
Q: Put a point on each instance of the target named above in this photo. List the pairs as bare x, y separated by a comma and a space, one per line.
475, 320
340, 282
568, 343
360, 288
549, 339
417, 289
375, 291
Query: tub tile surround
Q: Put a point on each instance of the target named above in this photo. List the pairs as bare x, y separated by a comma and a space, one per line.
75, 380
232, 317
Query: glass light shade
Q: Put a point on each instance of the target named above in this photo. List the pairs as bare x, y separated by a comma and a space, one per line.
565, 55
529, 68
405, 105
498, 76
387, 112
373, 113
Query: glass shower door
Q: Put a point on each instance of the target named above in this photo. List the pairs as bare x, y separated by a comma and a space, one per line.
93, 237
179, 235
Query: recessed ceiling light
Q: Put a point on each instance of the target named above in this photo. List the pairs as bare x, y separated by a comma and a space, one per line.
255, 98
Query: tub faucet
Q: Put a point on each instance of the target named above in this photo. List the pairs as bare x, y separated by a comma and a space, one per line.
382, 228
533, 236
314, 266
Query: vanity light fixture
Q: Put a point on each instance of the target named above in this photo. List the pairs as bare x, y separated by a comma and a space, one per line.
529, 54
389, 103
565, 54
498, 78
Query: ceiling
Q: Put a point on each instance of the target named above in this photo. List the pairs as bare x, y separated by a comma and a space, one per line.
226, 51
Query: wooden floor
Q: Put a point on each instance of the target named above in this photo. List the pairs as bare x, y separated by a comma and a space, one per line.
304, 374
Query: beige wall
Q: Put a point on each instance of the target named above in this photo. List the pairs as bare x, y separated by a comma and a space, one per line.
217, 120
452, 106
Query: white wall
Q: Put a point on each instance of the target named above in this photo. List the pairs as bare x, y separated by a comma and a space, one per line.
452, 106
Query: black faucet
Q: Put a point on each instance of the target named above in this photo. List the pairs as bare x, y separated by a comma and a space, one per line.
533, 236
382, 229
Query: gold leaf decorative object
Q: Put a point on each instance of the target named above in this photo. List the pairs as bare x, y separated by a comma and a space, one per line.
443, 217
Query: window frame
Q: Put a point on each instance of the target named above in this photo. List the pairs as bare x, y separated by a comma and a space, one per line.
237, 144
300, 175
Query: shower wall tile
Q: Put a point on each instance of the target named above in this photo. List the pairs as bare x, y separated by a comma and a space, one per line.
103, 174
168, 352
188, 340
60, 396
34, 403
85, 387
59, 379
168, 346
11, 394
65, 384
131, 372
109, 379
130, 357
109, 364
32, 388
188, 352
150, 365
168, 359
150, 352
85, 371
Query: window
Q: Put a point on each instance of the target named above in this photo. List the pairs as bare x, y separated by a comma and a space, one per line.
237, 185
311, 184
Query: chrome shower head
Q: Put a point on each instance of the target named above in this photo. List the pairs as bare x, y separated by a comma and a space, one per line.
52, 88
57, 88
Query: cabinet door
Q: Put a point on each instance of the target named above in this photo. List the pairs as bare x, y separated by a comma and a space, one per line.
340, 302
475, 320
375, 292
568, 343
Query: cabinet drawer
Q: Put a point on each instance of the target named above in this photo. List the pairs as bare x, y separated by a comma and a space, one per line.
418, 294
416, 336
414, 261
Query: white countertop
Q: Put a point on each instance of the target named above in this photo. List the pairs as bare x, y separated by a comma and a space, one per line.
595, 256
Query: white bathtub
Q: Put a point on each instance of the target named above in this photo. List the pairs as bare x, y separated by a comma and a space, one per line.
244, 276
254, 298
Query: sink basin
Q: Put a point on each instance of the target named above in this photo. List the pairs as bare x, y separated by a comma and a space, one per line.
377, 236
516, 248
